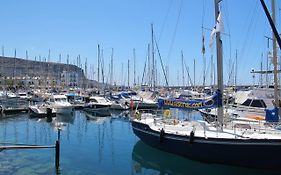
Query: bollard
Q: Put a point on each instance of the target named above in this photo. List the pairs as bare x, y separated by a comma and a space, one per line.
49, 114
58, 150
57, 161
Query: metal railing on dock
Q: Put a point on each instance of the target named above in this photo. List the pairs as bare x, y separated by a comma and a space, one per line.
9, 146
13, 105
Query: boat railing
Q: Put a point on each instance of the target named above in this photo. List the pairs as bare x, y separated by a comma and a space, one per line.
14, 103
243, 128
251, 127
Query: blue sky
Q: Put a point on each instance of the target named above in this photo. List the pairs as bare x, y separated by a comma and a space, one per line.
77, 27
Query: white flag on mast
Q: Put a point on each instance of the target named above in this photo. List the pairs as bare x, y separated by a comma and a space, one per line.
217, 28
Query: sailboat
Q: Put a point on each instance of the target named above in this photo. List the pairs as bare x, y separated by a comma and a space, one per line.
230, 143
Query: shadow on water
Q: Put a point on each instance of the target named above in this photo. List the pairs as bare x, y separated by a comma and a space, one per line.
146, 158
98, 113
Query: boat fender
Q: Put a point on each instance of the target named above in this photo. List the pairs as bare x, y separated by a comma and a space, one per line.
1, 109
162, 133
191, 137
132, 104
137, 115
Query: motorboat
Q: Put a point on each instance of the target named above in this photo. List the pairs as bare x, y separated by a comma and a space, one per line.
137, 102
118, 102
60, 104
248, 104
97, 103
41, 110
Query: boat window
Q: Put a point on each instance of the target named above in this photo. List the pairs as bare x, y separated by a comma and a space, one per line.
60, 99
102, 100
93, 100
254, 103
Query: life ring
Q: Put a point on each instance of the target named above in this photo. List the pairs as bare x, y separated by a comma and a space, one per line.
167, 113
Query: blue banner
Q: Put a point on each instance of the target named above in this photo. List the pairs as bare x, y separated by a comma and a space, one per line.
214, 101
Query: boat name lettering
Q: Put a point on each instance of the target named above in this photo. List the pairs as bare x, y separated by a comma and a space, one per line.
183, 104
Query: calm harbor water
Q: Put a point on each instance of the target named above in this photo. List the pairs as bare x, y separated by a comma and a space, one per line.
94, 145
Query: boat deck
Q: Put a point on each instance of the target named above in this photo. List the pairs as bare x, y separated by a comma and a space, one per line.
206, 130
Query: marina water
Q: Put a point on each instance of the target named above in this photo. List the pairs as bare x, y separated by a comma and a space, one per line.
95, 145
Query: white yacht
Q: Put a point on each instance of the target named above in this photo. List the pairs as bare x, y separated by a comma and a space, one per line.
248, 105
60, 104
97, 103
41, 110
24, 95
137, 102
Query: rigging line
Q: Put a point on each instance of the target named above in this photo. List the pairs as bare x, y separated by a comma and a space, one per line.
175, 31
279, 9
251, 23
230, 74
208, 67
144, 70
203, 13
227, 18
187, 71
165, 19
162, 65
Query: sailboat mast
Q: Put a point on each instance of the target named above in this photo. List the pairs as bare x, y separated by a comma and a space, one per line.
153, 61
111, 68
128, 74
148, 67
235, 78
182, 62
219, 64
134, 55
98, 63
274, 56
194, 73
212, 70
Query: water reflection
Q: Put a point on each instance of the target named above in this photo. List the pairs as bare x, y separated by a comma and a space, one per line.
91, 147
147, 159
98, 113
66, 119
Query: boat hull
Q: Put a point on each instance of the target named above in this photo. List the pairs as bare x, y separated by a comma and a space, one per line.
256, 153
37, 112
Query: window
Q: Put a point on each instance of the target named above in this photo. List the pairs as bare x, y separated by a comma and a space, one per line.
255, 103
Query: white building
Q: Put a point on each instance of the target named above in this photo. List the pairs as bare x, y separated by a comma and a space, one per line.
70, 79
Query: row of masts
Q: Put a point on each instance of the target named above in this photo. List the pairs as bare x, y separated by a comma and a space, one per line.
151, 76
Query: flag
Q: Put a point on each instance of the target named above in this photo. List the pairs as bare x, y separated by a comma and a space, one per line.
219, 24
217, 28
